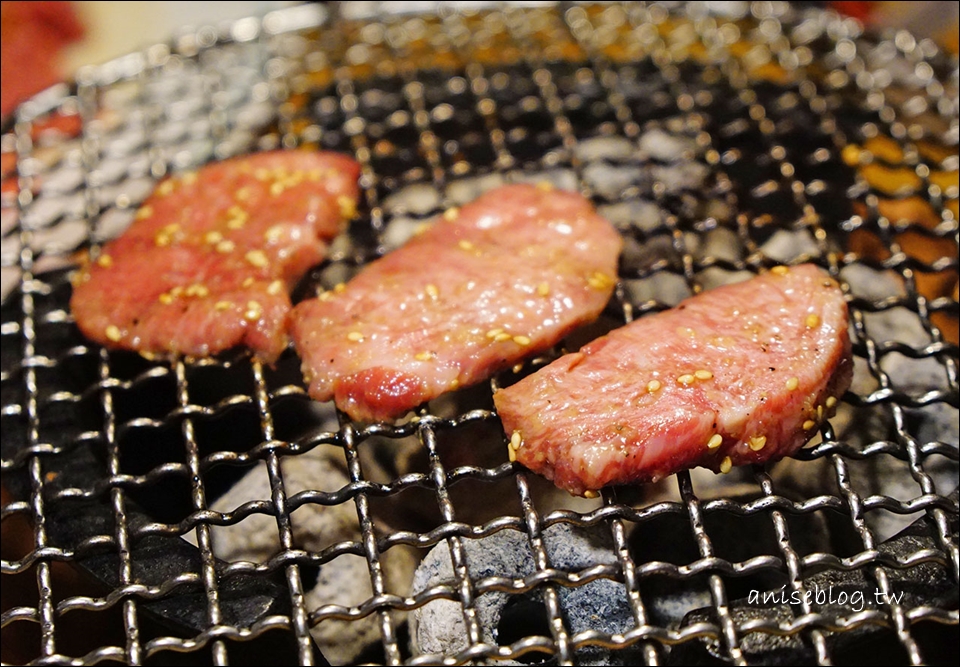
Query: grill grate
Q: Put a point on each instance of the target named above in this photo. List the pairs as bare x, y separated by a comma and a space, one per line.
720, 145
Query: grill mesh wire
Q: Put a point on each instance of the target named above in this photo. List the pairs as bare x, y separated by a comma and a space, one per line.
775, 105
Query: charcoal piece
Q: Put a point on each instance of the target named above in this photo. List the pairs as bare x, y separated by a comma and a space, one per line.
418, 199
60, 238
835, 594
937, 422
610, 181
722, 244
667, 147
902, 326
639, 258
680, 176
604, 148
788, 247
868, 283
665, 288
644, 215
714, 277
401, 229
666, 539
344, 580
464, 190
602, 605
916, 377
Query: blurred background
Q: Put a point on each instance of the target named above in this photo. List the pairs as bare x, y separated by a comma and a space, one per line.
44, 42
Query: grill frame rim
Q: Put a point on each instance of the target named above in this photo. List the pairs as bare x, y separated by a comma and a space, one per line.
535, 522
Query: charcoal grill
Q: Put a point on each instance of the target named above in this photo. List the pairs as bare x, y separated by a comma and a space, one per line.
721, 138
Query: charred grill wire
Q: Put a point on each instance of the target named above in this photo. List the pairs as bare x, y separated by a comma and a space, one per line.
225, 516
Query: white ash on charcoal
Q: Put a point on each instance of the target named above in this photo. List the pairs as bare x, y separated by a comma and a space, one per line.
45, 211
401, 229
915, 377
121, 178
605, 148
878, 475
114, 222
345, 580
646, 196
172, 132
719, 243
465, 190
871, 284
438, 626
664, 161
663, 249
129, 193
790, 247
344, 245
937, 422
677, 178
63, 179
881, 474
864, 383
897, 325
640, 257
658, 144
478, 444
124, 169
57, 233
417, 199
64, 238
664, 288
189, 153
641, 214
649, 217
611, 181
713, 277
335, 274
129, 139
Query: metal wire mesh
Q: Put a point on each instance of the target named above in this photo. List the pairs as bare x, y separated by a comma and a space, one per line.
720, 145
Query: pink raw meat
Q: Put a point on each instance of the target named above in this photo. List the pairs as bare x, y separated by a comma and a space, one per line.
739, 374
210, 258
506, 276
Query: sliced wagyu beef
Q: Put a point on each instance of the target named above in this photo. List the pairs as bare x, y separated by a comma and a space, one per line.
485, 286
739, 374
211, 256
